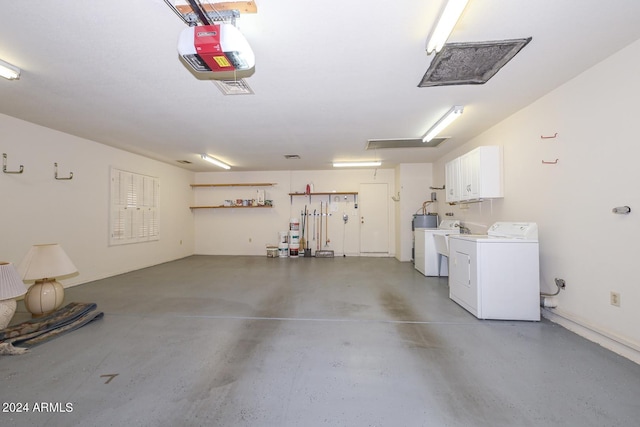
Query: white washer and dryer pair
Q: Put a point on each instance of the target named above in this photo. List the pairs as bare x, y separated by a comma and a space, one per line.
427, 260
497, 276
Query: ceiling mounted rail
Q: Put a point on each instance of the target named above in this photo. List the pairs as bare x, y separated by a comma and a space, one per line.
199, 11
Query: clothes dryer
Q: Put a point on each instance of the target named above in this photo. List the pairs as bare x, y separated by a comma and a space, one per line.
496, 276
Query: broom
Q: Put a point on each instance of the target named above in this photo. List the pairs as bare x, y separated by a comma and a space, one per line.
303, 214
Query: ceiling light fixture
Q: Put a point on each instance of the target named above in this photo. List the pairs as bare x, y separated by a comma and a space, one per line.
444, 121
355, 164
443, 28
215, 161
8, 71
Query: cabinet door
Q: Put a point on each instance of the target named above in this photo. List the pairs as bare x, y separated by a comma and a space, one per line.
489, 175
481, 173
470, 165
452, 180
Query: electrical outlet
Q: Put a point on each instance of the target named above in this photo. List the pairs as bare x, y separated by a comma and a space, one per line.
615, 299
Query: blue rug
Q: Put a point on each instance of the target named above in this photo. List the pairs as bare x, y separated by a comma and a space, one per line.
18, 339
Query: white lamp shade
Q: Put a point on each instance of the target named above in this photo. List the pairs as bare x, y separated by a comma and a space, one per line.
45, 262
11, 285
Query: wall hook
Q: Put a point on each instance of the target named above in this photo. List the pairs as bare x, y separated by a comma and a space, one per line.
621, 210
555, 135
550, 163
4, 165
55, 173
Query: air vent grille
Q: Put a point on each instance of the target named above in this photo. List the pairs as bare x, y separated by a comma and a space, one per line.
470, 63
376, 144
234, 87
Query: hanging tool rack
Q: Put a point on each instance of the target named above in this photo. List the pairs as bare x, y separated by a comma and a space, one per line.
328, 194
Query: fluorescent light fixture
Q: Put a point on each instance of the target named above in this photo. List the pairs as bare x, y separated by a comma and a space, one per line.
448, 18
8, 71
355, 164
450, 116
215, 161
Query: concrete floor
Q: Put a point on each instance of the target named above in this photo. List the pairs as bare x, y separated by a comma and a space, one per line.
257, 341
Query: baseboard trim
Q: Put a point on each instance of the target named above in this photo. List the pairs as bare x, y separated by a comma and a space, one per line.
607, 340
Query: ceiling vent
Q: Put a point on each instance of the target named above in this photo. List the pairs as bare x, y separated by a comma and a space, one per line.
470, 63
375, 144
184, 162
292, 157
234, 87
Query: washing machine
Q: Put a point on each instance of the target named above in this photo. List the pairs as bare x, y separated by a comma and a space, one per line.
497, 275
427, 261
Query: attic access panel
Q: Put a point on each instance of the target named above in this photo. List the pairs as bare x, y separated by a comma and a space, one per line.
470, 63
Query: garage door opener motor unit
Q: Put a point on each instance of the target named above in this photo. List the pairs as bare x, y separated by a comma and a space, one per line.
216, 52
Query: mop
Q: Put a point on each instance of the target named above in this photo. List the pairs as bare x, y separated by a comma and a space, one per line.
326, 228
307, 249
319, 245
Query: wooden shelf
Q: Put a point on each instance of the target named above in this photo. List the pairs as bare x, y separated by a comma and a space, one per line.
230, 207
244, 184
250, 184
328, 193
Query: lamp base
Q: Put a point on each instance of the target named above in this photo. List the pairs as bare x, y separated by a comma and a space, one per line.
44, 297
7, 310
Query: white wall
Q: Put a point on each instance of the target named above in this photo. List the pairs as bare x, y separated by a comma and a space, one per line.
412, 182
75, 213
581, 240
248, 231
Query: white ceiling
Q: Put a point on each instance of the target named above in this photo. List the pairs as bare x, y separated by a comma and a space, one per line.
329, 76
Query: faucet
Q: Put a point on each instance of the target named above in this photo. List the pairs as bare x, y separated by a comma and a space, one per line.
463, 229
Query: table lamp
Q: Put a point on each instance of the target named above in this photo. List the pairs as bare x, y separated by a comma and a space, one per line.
11, 287
43, 263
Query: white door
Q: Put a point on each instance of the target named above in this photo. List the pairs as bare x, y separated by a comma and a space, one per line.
374, 218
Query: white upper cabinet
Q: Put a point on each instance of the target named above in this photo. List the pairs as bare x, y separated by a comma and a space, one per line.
475, 175
452, 180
